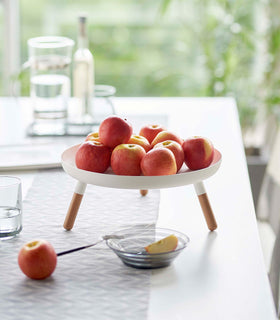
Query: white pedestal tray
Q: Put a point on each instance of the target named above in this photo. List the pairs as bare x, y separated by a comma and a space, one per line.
143, 183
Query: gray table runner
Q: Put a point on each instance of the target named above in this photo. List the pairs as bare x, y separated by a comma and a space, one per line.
89, 284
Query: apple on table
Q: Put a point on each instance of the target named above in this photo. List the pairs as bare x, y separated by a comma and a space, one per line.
114, 131
37, 259
166, 135
177, 150
93, 156
141, 141
198, 151
150, 131
158, 162
93, 136
126, 159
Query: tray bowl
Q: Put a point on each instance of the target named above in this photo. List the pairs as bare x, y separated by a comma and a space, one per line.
108, 179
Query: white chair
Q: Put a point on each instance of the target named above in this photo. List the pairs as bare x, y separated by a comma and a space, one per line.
274, 272
268, 215
262, 137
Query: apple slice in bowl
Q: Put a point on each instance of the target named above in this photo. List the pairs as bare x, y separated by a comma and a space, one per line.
148, 248
166, 244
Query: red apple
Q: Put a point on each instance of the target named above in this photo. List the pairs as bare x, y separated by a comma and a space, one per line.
164, 245
93, 156
114, 131
166, 135
199, 152
150, 131
37, 259
177, 150
93, 136
159, 162
126, 159
141, 141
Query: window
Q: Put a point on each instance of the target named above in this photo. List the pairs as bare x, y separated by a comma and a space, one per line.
10, 50
1, 48
195, 48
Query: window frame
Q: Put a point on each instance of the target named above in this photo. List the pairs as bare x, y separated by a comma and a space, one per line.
11, 48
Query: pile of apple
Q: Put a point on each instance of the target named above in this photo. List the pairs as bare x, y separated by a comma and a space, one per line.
155, 151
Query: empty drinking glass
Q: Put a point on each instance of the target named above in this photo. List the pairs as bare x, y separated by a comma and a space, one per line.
50, 85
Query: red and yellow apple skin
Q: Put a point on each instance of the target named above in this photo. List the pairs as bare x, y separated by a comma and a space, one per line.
114, 131
166, 244
166, 135
159, 162
93, 156
141, 141
126, 159
150, 131
177, 150
37, 259
93, 136
199, 152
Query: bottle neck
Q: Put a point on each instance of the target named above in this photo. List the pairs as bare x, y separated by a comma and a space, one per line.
82, 37
82, 42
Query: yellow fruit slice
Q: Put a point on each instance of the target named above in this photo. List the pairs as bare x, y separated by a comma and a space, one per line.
164, 245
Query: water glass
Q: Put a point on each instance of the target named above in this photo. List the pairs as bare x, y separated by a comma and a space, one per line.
50, 85
10, 207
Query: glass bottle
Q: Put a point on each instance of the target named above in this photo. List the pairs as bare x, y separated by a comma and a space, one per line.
83, 75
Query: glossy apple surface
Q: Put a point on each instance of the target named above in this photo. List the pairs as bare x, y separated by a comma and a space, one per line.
177, 150
114, 131
164, 245
199, 152
159, 162
141, 141
150, 131
93, 136
166, 135
37, 259
93, 156
126, 159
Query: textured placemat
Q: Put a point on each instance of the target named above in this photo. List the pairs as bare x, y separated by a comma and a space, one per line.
89, 284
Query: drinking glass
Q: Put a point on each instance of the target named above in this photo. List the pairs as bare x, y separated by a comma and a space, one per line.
10, 207
50, 86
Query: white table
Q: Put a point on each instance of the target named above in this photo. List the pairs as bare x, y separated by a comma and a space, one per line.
221, 275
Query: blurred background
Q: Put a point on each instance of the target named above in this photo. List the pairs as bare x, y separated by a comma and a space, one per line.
161, 48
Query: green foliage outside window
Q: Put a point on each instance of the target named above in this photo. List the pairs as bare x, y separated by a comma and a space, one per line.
170, 47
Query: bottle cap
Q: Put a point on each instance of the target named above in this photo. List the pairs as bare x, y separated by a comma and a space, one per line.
82, 18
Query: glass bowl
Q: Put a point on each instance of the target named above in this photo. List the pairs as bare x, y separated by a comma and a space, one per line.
130, 247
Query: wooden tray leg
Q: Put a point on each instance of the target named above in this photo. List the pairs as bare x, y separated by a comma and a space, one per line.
74, 205
205, 206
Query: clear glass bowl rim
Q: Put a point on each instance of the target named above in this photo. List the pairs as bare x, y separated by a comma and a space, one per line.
181, 236
48, 42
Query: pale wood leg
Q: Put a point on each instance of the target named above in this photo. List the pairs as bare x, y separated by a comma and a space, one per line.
205, 206
143, 192
74, 205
